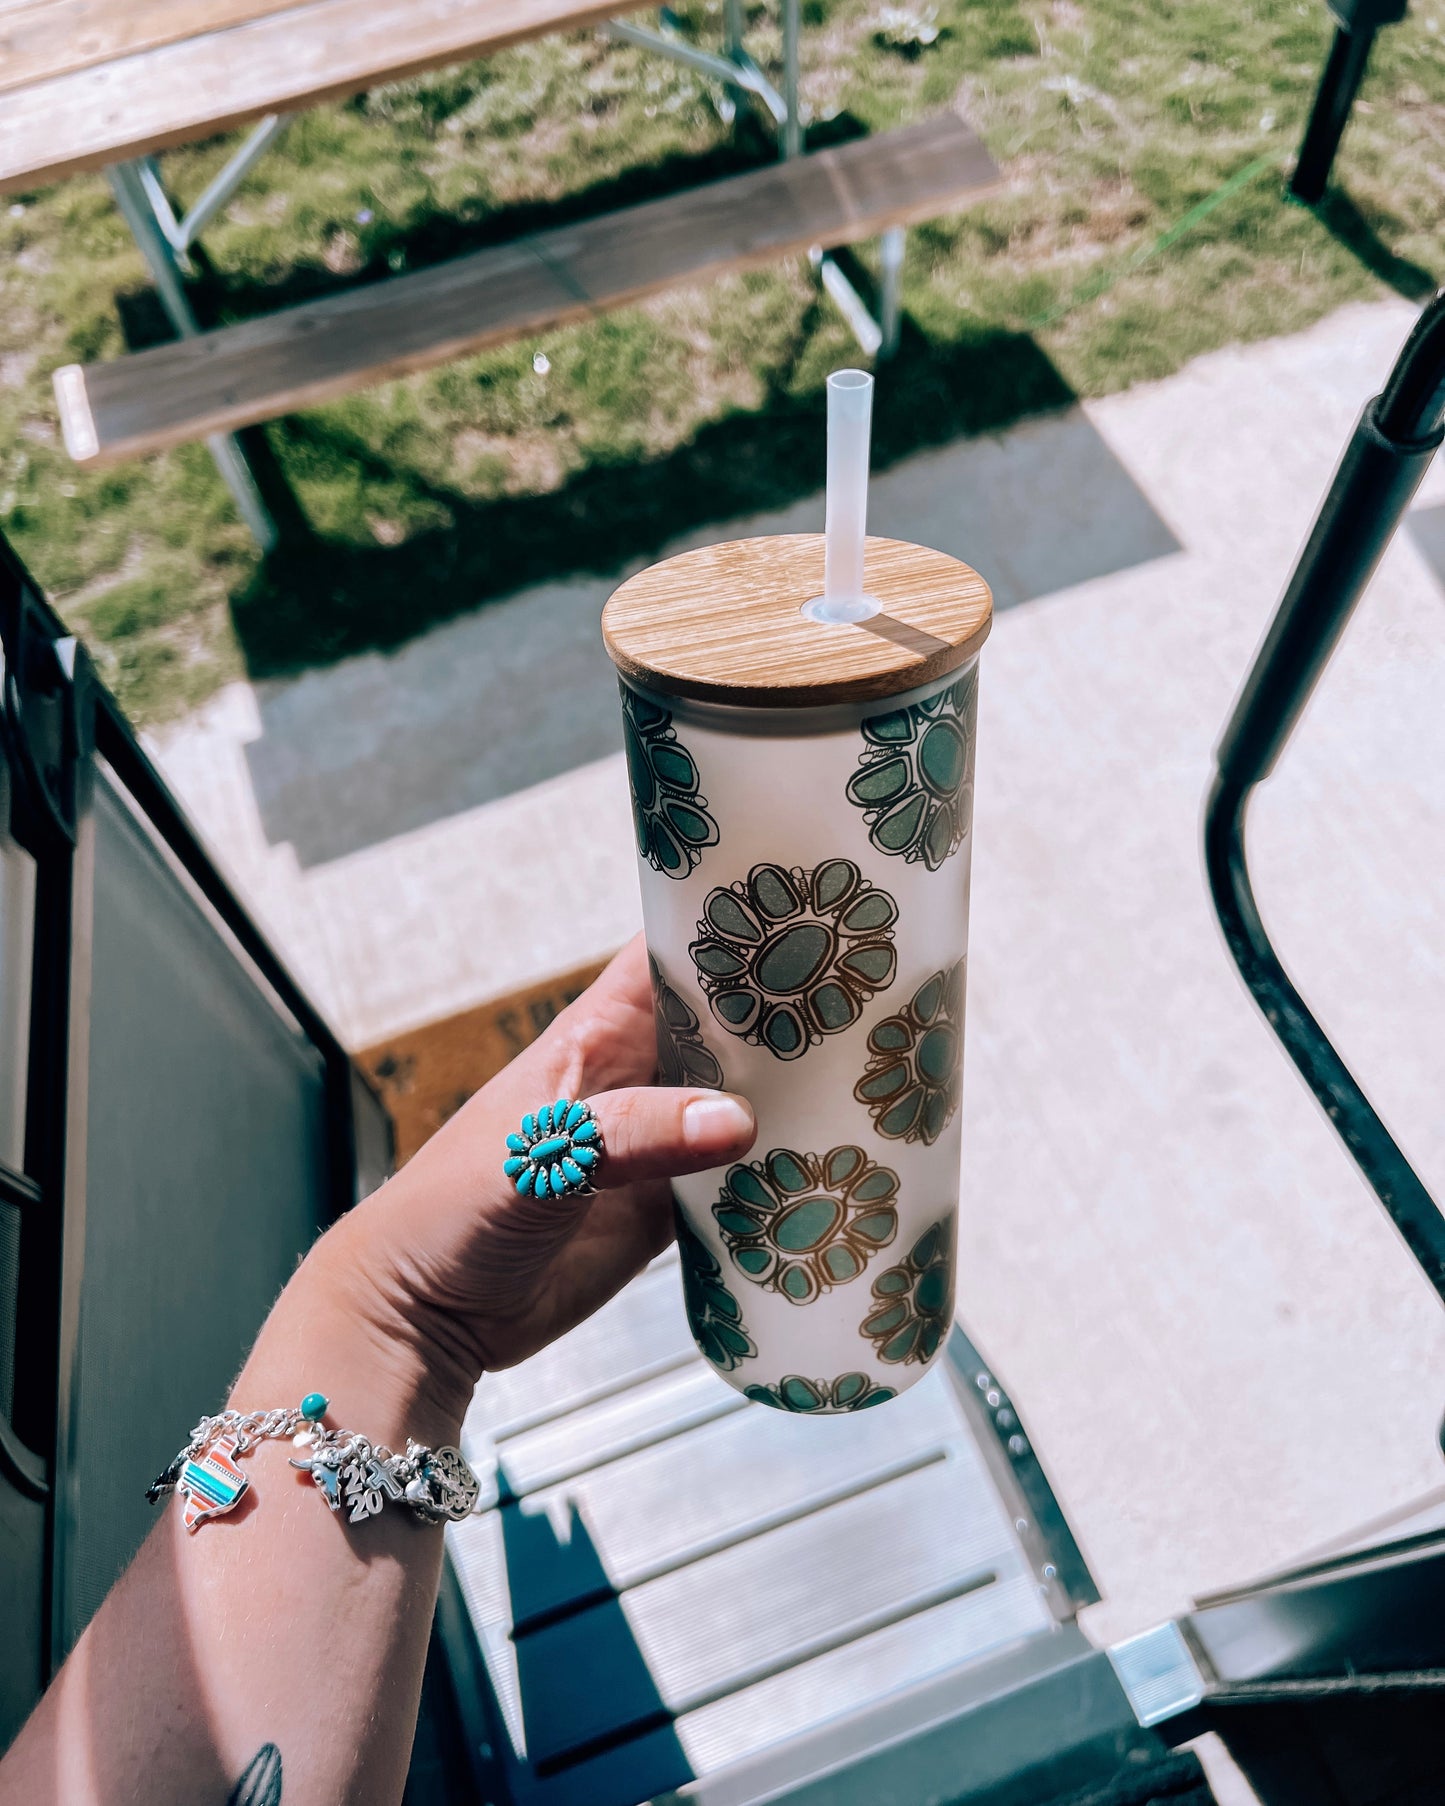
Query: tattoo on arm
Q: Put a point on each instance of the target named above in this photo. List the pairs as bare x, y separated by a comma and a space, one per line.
261, 1783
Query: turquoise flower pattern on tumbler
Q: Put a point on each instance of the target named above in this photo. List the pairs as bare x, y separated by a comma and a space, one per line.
804, 877
822, 1398
788, 956
914, 780
914, 1300
683, 1057
556, 1150
713, 1314
672, 820
915, 1068
801, 1224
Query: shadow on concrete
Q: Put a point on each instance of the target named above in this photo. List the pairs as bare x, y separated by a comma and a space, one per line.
1044, 509
1426, 527
598, 1732
521, 691
315, 600
505, 698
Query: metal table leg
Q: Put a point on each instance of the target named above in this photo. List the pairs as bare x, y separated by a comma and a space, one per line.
793, 123
735, 69
739, 74
876, 338
854, 309
733, 28
890, 249
128, 184
182, 233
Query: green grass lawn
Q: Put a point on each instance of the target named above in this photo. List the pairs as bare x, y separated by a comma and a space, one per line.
411, 502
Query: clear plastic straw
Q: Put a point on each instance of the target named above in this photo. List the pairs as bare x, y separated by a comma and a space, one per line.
850, 420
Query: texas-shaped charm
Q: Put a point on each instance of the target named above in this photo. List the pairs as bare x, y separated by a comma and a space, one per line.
211, 1483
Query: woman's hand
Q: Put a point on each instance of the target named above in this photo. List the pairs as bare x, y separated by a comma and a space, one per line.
449, 1262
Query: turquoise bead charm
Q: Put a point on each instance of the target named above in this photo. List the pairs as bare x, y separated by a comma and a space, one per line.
313, 1406
556, 1151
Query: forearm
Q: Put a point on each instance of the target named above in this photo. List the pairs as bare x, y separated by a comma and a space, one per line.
279, 1624
282, 1624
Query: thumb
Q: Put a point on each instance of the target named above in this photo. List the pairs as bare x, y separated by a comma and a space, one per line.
654, 1132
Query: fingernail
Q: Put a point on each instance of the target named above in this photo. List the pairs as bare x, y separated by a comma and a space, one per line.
717, 1122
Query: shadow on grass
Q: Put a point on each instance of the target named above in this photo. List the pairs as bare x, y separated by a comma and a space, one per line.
1339, 215
314, 600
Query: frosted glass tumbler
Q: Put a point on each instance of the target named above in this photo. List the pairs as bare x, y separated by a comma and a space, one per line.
802, 796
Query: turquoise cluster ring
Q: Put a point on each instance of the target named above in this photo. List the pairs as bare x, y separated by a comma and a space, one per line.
556, 1151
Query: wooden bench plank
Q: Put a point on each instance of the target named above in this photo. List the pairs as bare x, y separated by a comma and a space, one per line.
305, 355
273, 63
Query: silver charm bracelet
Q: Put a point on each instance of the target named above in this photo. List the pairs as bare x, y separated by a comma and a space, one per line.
349, 1471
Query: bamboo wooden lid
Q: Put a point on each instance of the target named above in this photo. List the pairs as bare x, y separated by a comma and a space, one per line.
723, 624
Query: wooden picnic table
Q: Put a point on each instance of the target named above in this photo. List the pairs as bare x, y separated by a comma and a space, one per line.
87, 83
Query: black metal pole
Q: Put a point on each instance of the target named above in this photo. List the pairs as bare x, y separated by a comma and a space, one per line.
1370, 1144
1371, 489
1383, 465
1344, 70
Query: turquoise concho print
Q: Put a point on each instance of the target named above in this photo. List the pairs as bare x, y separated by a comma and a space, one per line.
683, 1057
801, 1224
915, 1068
913, 782
914, 1301
713, 1314
787, 957
849, 1392
671, 818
